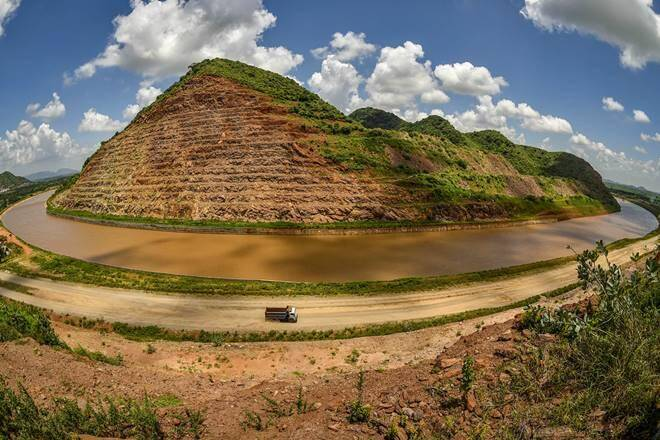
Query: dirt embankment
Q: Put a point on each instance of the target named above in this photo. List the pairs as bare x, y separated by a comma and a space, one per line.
218, 150
403, 373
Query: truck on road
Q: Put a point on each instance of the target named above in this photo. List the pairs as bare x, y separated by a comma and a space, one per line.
282, 314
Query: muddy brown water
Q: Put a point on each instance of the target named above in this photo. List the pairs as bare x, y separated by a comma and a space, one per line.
319, 257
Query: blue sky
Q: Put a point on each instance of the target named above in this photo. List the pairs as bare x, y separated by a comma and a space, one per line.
538, 70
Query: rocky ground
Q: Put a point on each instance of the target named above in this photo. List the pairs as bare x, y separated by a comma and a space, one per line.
301, 390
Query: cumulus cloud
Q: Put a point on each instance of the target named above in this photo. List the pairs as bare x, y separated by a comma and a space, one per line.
640, 116
144, 96
94, 121
639, 149
650, 138
487, 115
7, 10
346, 47
630, 25
548, 124
612, 105
400, 79
158, 39
338, 83
467, 79
607, 159
27, 144
52, 110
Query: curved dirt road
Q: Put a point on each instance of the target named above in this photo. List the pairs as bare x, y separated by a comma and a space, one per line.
246, 313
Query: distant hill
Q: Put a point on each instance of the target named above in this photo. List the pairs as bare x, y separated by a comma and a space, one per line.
633, 190
48, 175
9, 181
375, 118
231, 144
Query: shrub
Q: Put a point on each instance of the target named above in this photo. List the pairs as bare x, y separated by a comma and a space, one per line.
21, 418
608, 359
99, 357
20, 320
468, 374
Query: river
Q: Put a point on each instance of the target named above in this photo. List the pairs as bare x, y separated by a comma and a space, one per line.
318, 257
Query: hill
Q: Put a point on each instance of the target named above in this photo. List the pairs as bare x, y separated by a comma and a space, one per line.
234, 145
633, 191
9, 181
48, 175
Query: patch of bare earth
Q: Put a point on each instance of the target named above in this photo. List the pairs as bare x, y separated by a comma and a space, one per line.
403, 375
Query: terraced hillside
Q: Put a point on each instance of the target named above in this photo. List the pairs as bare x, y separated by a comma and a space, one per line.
232, 144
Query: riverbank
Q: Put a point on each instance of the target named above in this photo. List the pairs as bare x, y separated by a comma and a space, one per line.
569, 211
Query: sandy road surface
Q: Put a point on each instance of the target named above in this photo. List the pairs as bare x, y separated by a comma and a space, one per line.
246, 313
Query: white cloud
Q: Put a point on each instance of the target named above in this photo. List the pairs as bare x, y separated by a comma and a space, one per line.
467, 79
547, 124
94, 121
640, 116
131, 111
399, 80
338, 83
650, 138
346, 47
488, 115
27, 144
144, 96
639, 149
630, 25
607, 159
52, 110
612, 105
158, 39
7, 10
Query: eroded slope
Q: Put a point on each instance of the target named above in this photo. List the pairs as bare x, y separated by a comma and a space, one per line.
217, 150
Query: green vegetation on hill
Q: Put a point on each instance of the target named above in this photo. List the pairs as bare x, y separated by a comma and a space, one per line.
9, 181
534, 161
375, 118
12, 196
283, 90
440, 127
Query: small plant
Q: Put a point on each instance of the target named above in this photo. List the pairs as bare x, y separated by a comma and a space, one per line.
392, 432
468, 375
358, 412
150, 349
191, 424
302, 406
274, 408
254, 421
353, 357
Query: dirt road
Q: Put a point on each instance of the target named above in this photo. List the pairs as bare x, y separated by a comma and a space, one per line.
246, 313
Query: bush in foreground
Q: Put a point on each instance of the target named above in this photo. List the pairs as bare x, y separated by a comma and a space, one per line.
609, 355
21, 418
